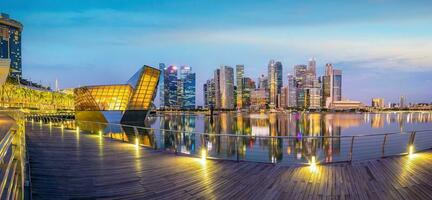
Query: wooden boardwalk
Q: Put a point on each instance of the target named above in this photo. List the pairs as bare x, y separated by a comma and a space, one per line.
66, 165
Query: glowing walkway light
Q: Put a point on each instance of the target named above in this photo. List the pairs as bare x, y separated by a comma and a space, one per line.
203, 154
100, 133
77, 129
136, 142
312, 163
411, 151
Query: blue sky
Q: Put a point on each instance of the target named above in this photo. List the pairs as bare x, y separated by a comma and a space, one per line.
384, 47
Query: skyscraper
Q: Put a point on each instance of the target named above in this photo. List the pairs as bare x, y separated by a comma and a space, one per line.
275, 81
300, 72
402, 102
239, 82
217, 81
291, 100
227, 87
161, 85
331, 85
209, 94
187, 85
10, 44
170, 85
312, 66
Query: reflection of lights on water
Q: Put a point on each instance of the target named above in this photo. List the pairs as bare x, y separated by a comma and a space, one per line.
100, 133
299, 155
136, 142
77, 129
62, 126
289, 150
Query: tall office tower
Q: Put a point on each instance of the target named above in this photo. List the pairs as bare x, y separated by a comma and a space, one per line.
263, 82
186, 94
248, 87
239, 82
300, 72
337, 85
331, 85
227, 87
161, 85
312, 67
217, 80
170, 86
402, 102
291, 96
10, 44
275, 81
206, 94
209, 94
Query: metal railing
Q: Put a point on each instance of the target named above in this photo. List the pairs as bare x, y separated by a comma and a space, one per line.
14, 182
269, 149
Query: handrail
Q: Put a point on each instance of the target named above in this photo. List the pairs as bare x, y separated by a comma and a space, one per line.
12, 158
215, 134
353, 144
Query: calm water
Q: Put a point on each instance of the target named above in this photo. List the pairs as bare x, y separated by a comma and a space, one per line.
254, 146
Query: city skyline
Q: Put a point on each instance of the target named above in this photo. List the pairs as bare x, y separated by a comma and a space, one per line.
376, 52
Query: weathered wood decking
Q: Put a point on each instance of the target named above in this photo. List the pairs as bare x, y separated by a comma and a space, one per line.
67, 165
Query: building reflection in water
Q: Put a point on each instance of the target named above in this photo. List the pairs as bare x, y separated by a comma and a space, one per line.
179, 133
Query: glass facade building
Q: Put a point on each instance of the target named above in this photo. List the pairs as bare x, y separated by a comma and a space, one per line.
275, 81
10, 44
170, 86
126, 103
187, 84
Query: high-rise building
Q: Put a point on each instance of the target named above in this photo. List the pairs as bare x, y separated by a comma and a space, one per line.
248, 87
170, 85
402, 102
291, 96
227, 87
377, 102
331, 85
300, 72
312, 66
239, 83
161, 86
217, 81
275, 81
10, 44
209, 94
186, 88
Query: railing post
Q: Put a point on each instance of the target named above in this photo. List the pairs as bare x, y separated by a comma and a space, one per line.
175, 144
412, 137
351, 149
237, 147
383, 145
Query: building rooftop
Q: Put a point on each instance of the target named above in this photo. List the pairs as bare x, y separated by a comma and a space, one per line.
5, 20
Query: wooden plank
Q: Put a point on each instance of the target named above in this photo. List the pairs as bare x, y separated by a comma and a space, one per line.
65, 165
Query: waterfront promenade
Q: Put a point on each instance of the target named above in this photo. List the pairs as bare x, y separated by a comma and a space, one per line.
65, 164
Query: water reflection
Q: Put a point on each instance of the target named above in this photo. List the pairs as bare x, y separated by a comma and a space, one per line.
180, 134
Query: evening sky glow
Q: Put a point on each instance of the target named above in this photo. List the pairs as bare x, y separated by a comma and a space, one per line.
384, 47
